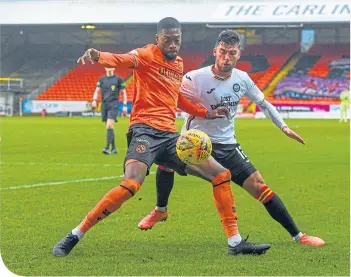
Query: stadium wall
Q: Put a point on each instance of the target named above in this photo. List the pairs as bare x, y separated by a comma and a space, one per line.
279, 23
64, 108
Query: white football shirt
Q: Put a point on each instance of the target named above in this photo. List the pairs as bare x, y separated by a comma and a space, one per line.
204, 88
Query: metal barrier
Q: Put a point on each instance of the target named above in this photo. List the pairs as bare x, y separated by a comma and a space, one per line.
11, 83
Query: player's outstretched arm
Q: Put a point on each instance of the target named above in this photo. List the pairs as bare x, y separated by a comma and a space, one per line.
271, 112
192, 109
107, 59
89, 57
256, 95
291, 134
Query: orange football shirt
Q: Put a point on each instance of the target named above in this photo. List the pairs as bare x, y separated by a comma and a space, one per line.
157, 84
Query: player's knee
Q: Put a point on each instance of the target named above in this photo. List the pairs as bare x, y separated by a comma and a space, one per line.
257, 188
135, 170
253, 184
110, 124
222, 178
165, 168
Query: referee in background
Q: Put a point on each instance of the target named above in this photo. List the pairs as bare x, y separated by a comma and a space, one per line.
110, 86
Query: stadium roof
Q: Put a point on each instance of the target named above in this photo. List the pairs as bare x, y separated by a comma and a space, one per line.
151, 11
142, 1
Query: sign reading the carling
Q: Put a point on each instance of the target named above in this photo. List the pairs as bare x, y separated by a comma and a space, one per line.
66, 12
277, 11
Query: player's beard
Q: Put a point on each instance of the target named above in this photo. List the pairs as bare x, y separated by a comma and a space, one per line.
227, 69
171, 56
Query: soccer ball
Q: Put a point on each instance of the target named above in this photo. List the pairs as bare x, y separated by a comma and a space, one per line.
194, 146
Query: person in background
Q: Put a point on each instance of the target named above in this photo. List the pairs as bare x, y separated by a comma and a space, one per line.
110, 86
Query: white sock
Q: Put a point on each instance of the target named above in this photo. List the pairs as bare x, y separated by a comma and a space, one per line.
161, 209
235, 240
297, 237
77, 232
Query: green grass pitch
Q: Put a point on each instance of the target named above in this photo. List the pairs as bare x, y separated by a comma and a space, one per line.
62, 156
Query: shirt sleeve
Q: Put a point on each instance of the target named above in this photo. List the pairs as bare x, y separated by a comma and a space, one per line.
117, 60
271, 112
122, 83
143, 56
190, 108
134, 59
99, 83
252, 91
188, 89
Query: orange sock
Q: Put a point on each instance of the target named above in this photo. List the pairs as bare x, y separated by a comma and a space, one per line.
225, 204
111, 202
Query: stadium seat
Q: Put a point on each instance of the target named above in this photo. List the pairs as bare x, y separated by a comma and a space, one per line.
79, 83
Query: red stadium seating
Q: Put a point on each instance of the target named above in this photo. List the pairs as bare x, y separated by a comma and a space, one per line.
80, 82
329, 53
276, 55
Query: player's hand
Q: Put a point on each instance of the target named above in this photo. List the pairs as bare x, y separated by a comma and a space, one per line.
94, 104
220, 112
90, 56
291, 134
124, 112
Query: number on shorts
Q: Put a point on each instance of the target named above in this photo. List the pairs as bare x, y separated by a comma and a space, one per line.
241, 152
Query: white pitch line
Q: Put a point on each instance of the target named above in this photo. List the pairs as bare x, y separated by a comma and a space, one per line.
60, 183
63, 182
58, 164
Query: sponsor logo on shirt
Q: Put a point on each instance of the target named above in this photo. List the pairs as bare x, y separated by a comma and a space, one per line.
226, 101
236, 87
188, 77
166, 73
210, 91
